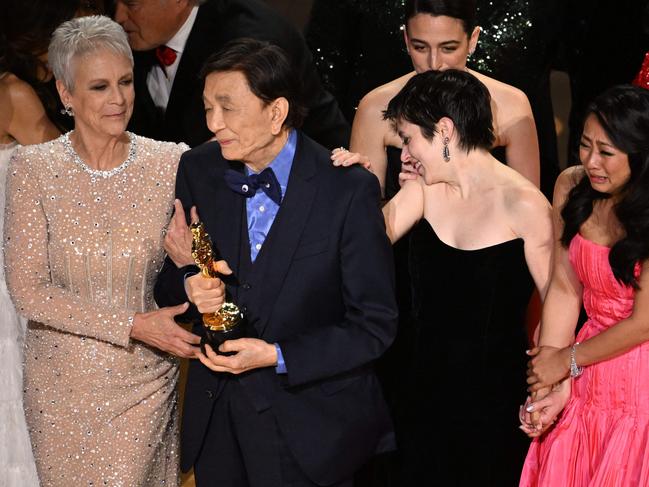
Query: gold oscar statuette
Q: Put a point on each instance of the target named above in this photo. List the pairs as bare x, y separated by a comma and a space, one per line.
221, 325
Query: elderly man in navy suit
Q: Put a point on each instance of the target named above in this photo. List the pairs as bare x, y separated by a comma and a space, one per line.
171, 40
298, 403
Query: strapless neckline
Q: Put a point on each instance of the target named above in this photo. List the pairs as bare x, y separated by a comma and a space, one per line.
517, 240
594, 244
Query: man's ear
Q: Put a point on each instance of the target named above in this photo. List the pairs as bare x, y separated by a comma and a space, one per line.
278, 111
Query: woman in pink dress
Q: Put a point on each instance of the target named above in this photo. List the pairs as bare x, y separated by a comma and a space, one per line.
601, 438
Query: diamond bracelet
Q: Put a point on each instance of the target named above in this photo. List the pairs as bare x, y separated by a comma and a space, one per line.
575, 370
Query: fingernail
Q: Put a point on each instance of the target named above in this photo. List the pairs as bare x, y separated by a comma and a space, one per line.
529, 408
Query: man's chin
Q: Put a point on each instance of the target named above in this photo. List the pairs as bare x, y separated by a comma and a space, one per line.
139, 44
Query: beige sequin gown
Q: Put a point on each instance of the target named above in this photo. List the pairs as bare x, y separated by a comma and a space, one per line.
82, 253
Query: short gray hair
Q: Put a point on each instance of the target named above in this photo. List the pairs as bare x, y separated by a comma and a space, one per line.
80, 36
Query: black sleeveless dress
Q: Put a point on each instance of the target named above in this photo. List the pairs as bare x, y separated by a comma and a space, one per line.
467, 376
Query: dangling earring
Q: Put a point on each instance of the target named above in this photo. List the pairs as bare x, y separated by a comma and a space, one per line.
446, 154
67, 111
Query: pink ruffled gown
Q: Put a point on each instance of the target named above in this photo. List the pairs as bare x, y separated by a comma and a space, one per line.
602, 437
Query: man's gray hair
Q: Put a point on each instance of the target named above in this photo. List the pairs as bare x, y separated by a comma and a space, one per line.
81, 36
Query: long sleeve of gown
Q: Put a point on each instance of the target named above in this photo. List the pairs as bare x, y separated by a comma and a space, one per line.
83, 248
27, 249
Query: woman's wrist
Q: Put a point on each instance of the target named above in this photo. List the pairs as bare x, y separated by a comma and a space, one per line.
574, 367
134, 323
564, 359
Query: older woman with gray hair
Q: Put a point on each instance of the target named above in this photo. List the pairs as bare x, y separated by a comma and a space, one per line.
83, 245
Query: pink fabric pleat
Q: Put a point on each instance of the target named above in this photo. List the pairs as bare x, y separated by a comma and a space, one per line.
602, 437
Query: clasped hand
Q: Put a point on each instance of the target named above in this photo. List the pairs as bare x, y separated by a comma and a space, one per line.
548, 366
542, 408
549, 389
250, 353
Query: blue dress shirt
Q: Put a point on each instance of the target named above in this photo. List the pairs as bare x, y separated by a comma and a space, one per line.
260, 209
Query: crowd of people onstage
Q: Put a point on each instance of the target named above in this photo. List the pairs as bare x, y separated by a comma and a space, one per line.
429, 300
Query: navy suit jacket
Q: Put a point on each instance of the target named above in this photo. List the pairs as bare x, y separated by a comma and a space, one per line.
322, 287
218, 22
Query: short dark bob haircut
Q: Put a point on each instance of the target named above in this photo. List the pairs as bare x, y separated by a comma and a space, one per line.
458, 95
463, 10
623, 113
268, 71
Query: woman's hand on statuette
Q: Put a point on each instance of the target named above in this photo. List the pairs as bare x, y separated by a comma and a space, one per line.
178, 238
342, 157
158, 329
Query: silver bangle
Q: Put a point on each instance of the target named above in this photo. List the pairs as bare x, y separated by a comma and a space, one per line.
575, 370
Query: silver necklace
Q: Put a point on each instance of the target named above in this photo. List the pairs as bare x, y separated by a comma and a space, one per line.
98, 173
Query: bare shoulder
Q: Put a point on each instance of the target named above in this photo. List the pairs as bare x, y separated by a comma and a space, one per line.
23, 117
567, 180
377, 100
507, 97
14, 93
525, 204
521, 196
369, 127
17, 92
10, 82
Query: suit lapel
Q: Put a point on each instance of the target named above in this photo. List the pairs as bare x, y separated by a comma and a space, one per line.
229, 210
275, 256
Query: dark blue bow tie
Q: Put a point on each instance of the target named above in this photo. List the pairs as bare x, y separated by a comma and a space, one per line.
248, 185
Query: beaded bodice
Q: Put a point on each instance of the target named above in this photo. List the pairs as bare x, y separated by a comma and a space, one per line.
84, 249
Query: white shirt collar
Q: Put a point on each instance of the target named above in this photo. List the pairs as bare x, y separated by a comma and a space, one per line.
178, 41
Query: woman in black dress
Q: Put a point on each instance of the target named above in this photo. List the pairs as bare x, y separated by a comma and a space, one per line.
481, 241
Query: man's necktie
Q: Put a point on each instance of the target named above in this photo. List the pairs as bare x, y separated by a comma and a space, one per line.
165, 56
248, 185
